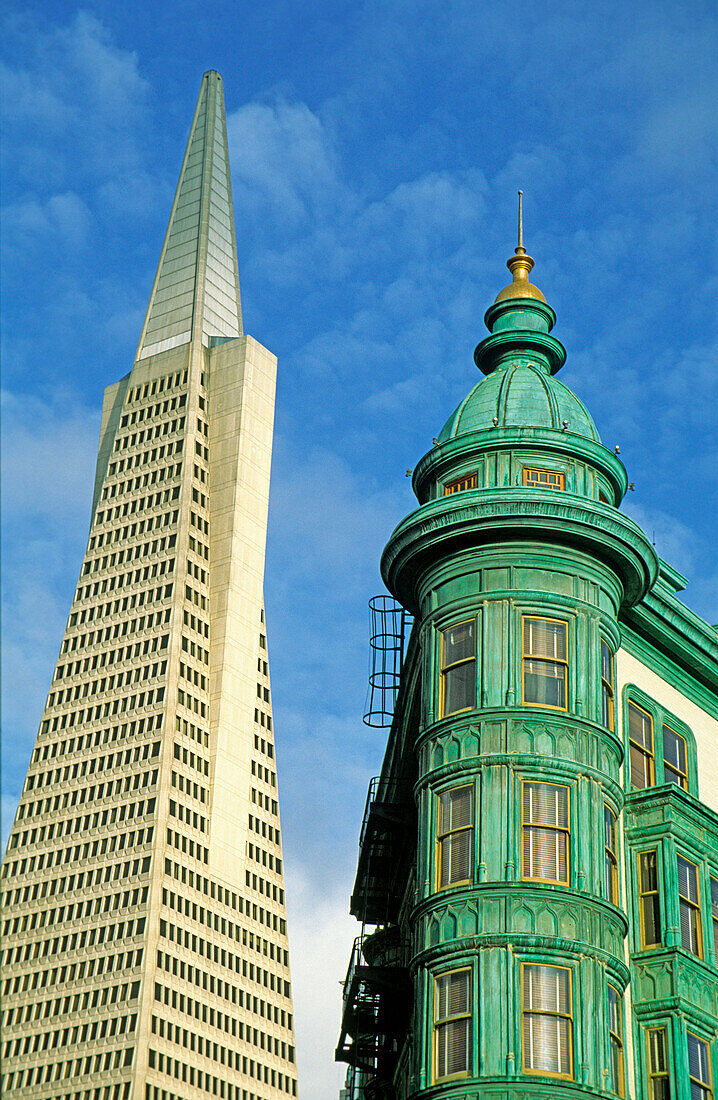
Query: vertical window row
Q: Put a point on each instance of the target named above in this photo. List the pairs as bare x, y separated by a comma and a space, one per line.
615, 1040
649, 899
610, 829
607, 687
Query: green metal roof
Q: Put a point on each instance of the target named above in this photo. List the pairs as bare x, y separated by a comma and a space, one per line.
196, 289
518, 394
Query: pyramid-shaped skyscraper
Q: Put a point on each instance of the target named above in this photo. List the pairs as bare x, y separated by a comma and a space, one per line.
144, 923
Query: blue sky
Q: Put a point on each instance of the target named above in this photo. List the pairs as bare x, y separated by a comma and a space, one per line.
376, 150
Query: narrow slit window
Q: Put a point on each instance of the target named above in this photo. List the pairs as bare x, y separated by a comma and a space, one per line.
649, 899
607, 688
674, 758
452, 1024
659, 1081
546, 832
458, 668
468, 481
545, 662
714, 915
610, 826
544, 479
456, 836
690, 906
547, 1020
615, 1037
640, 743
699, 1068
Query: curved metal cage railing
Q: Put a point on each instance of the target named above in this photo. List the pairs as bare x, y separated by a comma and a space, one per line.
388, 624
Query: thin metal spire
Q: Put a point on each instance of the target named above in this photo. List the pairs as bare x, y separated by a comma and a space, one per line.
521, 220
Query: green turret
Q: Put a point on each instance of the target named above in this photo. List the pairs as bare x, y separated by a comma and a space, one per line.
490, 857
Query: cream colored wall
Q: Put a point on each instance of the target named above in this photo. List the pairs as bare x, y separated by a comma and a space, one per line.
242, 376
629, 670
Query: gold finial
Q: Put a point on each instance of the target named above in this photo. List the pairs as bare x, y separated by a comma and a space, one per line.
520, 266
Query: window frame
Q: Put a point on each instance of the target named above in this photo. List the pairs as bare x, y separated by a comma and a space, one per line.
608, 688
558, 829
693, 906
657, 1074
682, 781
649, 756
571, 1075
705, 1086
564, 662
527, 484
439, 1022
612, 882
444, 669
616, 1040
457, 484
661, 719
713, 878
442, 835
641, 894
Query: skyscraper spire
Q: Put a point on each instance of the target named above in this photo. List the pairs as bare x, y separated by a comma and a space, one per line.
195, 295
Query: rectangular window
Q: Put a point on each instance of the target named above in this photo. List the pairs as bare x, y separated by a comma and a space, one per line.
699, 1068
544, 479
649, 899
545, 662
456, 835
659, 1082
714, 914
607, 691
640, 743
610, 827
546, 832
615, 1037
547, 1020
690, 906
458, 668
468, 481
452, 1024
674, 758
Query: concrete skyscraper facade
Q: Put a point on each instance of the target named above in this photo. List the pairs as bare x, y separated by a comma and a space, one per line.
145, 952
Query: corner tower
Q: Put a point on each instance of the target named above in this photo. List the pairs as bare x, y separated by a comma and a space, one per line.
501, 939
145, 941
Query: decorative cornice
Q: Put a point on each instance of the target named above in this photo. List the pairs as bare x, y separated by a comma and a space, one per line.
478, 518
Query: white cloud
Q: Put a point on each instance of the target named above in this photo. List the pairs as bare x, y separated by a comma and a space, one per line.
321, 934
63, 219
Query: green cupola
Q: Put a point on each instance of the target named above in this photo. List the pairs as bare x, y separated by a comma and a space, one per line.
520, 359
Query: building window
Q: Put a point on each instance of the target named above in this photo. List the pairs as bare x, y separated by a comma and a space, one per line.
649, 899
544, 479
699, 1068
690, 906
468, 481
675, 768
545, 662
615, 1038
546, 832
640, 740
547, 1020
607, 688
610, 827
659, 1082
452, 1024
456, 835
458, 668
714, 914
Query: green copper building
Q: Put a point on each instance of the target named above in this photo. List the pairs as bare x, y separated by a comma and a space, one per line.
537, 881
